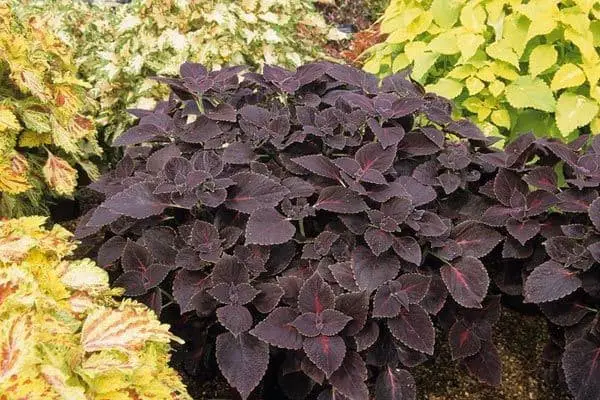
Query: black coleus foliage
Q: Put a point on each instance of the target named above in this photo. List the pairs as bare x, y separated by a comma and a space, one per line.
342, 224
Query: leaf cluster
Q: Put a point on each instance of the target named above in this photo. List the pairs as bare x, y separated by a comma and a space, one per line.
62, 334
512, 67
312, 214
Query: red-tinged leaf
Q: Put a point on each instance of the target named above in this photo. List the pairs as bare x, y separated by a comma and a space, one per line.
188, 258
496, 215
389, 300
132, 282
374, 156
576, 201
408, 249
379, 241
254, 191
436, 296
350, 377
318, 164
329, 323
326, 352
486, 365
565, 312
415, 286
111, 251
135, 257
340, 200
594, 213
242, 360
312, 371
463, 340
235, 318
277, 330
523, 230
307, 323
155, 274
268, 297
370, 271
581, 364
475, 239
137, 201
505, 183
414, 328
344, 275
229, 270
367, 336
550, 281
542, 178
267, 226
356, 306
395, 384
466, 280
186, 286
315, 296
539, 202
254, 257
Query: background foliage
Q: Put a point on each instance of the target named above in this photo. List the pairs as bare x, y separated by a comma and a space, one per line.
61, 333
44, 130
512, 66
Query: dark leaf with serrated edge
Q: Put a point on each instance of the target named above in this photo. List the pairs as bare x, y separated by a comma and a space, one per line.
326, 352
341, 200
137, 201
324, 241
161, 243
316, 295
463, 340
254, 191
235, 318
550, 281
505, 183
312, 371
254, 257
268, 297
350, 377
523, 230
486, 365
395, 384
582, 369
242, 293
242, 360
379, 241
431, 225
344, 276
373, 156
475, 239
357, 223
370, 271
188, 258
594, 213
389, 300
135, 257
367, 336
408, 249
277, 330
408, 357
542, 178
111, 251
565, 312
414, 328
513, 249
298, 187
230, 271
356, 306
318, 164
436, 296
329, 322
267, 226
187, 285
467, 281
132, 282
415, 285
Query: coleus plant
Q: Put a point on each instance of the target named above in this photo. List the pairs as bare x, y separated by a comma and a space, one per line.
313, 214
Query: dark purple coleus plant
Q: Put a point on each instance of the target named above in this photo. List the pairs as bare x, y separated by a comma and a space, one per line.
324, 217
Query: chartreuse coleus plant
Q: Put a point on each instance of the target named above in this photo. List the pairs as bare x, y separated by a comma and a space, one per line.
118, 48
511, 66
307, 213
63, 336
44, 130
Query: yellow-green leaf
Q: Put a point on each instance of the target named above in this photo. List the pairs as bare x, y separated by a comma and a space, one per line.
569, 75
496, 88
422, 64
8, 120
501, 118
445, 12
445, 43
541, 58
529, 92
574, 111
473, 17
501, 50
474, 85
446, 87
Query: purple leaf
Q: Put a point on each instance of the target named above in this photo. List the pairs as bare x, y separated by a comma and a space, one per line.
565, 312
228, 270
326, 352
435, 298
367, 336
268, 297
542, 178
235, 318
414, 328
594, 213
110, 251
466, 280
463, 340
475, 239
243, 360
315, 296
389, 300
350, 377
187, 287
344, 276
137, 201
523, 230
395, 384
356, 306
379, 241
550, 281
318, 164
486, 365
277, 330
408, 249
370, 271
266, 226
132, 282
582, 370
340, 200
254, 191
505, 183
373, 156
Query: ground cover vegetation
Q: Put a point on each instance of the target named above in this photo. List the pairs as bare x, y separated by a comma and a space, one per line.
339, 226
511, 66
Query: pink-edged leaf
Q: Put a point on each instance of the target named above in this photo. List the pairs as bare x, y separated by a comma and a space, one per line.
379, 241
367, 336
230, 271
155, 274
370, 271
565, 312
356, 306
395, 384
307, 323
594, 213
463, 340
268, 297
111, 251
205, 238
436, 296
581, 363
475, 239
408, 249
496, 215
243, 360
324, 241
513, 249
254, 191
350, 377
505, 183
389, 300
542, 178
374, 156
235, 318
277, 330
415, 286
242, 293
318, 164
340, 200
466, 280
333, 322
431, 225
550, 281
267, 226
414, 328
137, 201
523, 230
344, 275
187, 286
254, 257
135, 257
486, 365
326, 352
316, 295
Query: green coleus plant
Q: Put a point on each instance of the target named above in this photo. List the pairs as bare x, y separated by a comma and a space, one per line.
120, 47
512, 66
